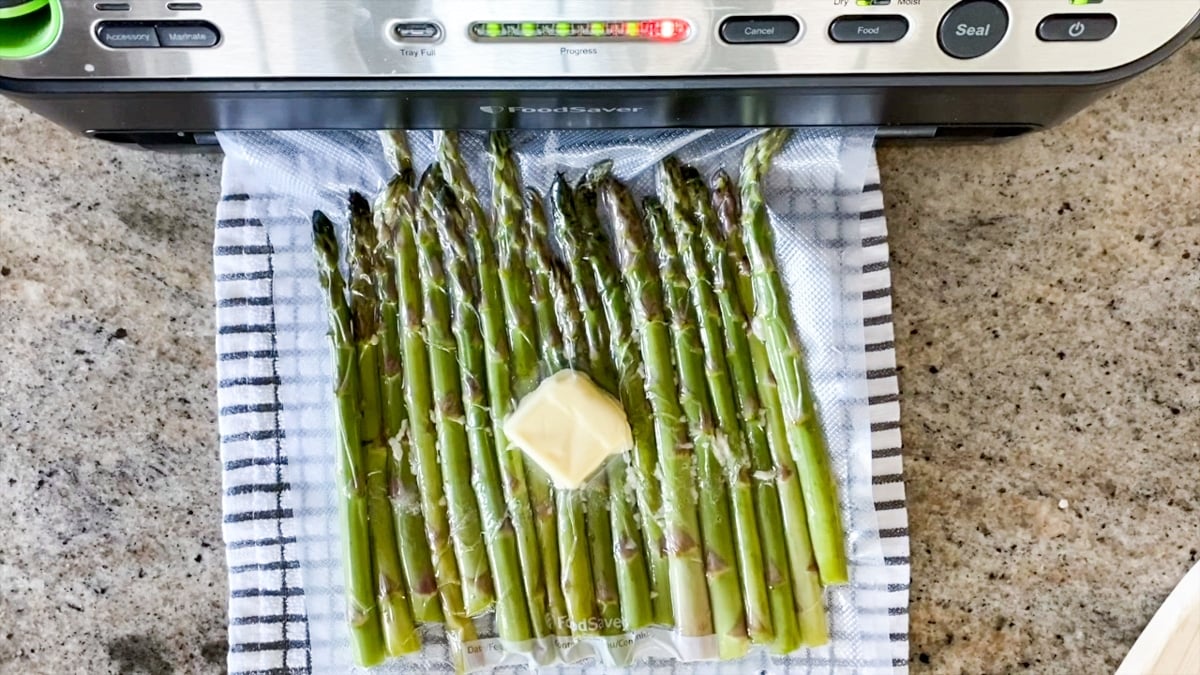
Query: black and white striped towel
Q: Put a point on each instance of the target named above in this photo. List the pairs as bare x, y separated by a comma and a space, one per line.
280, 611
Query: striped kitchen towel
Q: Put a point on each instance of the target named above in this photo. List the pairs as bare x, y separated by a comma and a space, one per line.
277, 606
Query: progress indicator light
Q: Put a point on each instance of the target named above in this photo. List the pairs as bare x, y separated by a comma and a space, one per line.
645, 30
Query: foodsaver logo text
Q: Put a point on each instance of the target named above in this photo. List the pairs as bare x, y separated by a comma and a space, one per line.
560, 110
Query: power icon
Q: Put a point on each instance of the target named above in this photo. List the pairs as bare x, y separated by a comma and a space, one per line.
1076, 27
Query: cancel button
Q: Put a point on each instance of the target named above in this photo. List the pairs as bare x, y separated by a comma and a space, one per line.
759, 29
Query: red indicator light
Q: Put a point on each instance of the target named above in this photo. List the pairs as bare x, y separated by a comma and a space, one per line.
665, 30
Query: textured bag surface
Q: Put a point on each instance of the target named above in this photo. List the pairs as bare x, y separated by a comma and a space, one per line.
812, 191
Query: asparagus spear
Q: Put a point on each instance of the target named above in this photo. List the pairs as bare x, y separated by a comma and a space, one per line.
732, 454
523, 487
512, 619
444, 493
394, 221
366, 635
806, 580
645, 596
413, 265
773, 318
631, 386
729, 615
738, 351
681, 529
473, 560
399, 629
562, 524
395, 147
591, 358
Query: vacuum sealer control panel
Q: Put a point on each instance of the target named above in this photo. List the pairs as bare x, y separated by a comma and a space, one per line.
257, 39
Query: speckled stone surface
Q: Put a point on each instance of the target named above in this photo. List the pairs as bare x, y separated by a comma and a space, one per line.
110, 544
1048, 327
1047, 301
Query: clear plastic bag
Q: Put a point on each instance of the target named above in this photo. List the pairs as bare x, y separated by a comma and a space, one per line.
816, 245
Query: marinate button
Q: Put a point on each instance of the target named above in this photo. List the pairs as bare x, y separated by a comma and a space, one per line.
192, 35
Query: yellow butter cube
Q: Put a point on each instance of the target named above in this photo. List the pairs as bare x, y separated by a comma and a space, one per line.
569, 426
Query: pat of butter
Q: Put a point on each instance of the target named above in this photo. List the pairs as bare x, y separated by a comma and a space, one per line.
569, 426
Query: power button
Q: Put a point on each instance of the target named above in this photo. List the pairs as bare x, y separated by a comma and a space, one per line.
1076, 27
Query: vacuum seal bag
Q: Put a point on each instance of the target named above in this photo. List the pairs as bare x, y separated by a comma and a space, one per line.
494, 561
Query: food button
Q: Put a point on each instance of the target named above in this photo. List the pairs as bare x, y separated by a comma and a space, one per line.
759, 29
126, 36
973, 28
868, 28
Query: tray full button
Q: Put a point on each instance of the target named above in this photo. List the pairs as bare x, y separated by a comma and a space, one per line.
417, 30
1076, 27
887, 28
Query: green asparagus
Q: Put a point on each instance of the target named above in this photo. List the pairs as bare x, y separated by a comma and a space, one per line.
527, 491
738, 351
366, 634
540, 262
806, 580
592, 359
688, 592
428, 602
399, 629
645, 595
420, 464
732, 455
395, 147
512, 619
728, 612
439, 440
724, 518
773, 319
472, 560
394, 222
581, 589
576, 582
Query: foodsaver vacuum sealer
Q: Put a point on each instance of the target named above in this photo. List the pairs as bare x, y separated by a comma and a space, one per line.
163, 73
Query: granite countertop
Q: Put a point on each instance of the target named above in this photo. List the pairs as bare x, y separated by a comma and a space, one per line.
1047, 303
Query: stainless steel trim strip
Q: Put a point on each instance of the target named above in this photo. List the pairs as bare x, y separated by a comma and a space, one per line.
342, 39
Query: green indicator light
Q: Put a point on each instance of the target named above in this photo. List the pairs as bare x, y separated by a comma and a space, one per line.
562, 29
494, 30
598, 29
529, 29
864, 3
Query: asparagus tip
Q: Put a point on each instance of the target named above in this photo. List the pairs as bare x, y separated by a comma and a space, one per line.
600, 172
359, 206
690, 173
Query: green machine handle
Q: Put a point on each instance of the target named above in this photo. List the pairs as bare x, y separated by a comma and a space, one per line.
28, 27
